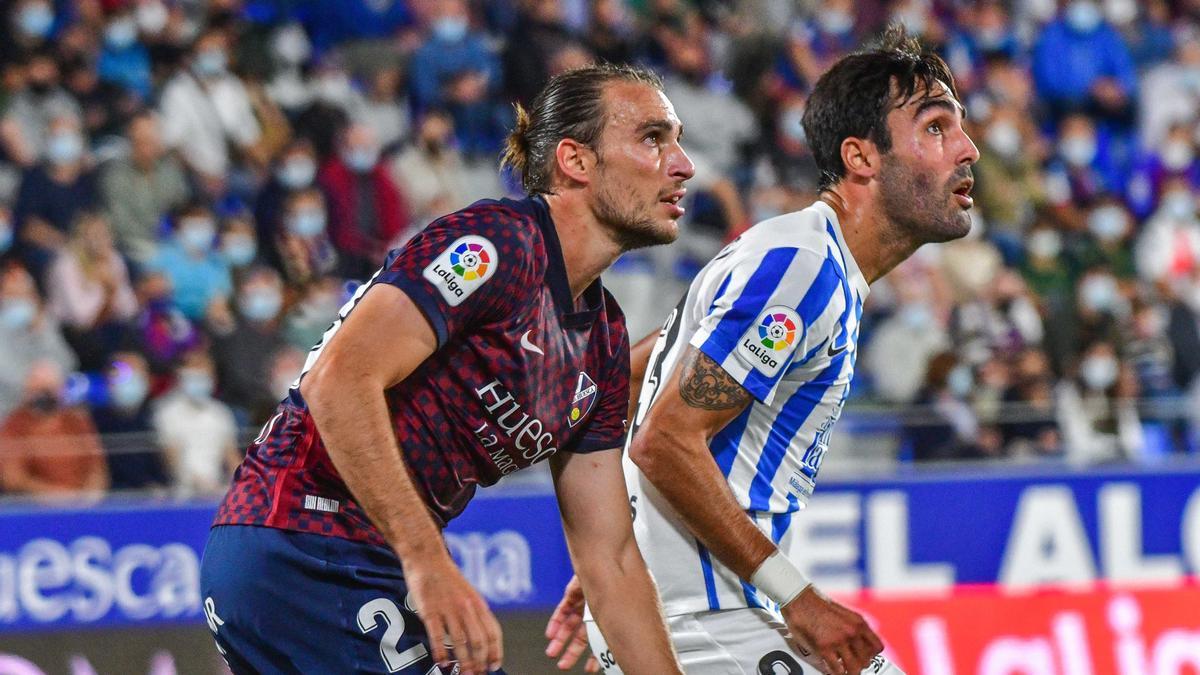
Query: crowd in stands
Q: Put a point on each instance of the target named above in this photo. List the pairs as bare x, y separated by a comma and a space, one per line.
189, 189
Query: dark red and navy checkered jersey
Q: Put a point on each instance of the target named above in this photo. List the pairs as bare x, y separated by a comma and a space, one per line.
521, 372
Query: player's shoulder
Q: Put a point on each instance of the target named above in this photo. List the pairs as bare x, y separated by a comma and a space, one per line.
806, 230
506, 229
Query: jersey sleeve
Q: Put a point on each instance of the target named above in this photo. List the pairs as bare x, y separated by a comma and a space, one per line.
608, 425
467, 269
759, 321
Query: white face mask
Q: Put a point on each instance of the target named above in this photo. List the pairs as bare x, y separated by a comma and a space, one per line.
1084, 16
1177, 155
1108, 223
1045, 244
152, 17
1099, 293
1099, 372
1078, 150
1179, 205
1004, 138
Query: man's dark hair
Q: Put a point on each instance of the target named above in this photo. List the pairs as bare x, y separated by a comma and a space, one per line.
569, 106
854, 97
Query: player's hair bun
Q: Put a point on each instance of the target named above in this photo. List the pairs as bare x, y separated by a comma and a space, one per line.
516, 146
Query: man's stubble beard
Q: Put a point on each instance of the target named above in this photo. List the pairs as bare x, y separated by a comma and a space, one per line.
629, 229
916, 204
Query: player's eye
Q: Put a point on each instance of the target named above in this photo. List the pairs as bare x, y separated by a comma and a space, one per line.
934, 128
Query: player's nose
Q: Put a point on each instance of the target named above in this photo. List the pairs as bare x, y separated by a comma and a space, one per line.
970, 153
679, 166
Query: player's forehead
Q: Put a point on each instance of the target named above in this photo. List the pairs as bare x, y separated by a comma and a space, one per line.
631, 106
934, 96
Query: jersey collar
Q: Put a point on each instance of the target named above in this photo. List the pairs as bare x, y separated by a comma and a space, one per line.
556, 275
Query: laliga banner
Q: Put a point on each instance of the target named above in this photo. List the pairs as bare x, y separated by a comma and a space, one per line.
1109, 630
137, 564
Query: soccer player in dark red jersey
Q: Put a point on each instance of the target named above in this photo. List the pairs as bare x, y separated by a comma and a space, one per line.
484, 345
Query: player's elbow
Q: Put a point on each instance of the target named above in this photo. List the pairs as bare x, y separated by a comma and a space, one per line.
654, 450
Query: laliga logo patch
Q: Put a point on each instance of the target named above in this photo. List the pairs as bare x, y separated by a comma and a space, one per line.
770, 340
583, 400
462, 268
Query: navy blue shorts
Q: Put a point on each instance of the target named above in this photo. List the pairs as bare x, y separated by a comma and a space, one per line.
291, 602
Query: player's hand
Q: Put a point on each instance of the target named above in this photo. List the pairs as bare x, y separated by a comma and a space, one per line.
454, 612
839, 636
566, 632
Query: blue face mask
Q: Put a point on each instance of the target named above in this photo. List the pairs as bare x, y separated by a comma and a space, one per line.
211, 62
361, 160
294, 174
260, 305
128, 390
195, 384
1084, 16
450, 29
64, 148
121, 34
239, 250
197, 234
307, 223
17, 313
6, 236
36, 20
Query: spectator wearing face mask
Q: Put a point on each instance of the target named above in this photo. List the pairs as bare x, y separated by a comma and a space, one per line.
124, 60
29, 25
454, 70
1030, 429
1008, 181
47, 448
1168, 249
431, 169
197, 432
367, 211
90, 293
52, 194
1102, 308
242, 354
198, 274
237, 243
31, 109
1171, 91
1082, 169
942, 425
1109, 231
303, 245
295, 169
206, 110
123, 419
28, 334
1080, 62
1173, 160
1097, 412
140, 189
163, 333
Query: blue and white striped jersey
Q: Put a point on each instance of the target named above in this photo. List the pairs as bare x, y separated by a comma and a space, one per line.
779, 309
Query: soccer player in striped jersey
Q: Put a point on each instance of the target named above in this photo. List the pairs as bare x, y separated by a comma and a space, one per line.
749, 373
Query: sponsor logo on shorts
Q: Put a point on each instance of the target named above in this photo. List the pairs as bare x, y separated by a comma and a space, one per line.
585, 397
462, 268
770, 340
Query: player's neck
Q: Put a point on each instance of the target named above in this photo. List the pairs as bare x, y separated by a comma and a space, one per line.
874, 241
587, 247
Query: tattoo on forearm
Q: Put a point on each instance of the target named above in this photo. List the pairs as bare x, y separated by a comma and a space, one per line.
704, 384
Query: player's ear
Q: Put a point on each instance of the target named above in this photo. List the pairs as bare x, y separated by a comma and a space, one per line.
861, 157
575, 160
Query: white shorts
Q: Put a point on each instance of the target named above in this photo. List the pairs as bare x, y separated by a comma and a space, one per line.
728, 642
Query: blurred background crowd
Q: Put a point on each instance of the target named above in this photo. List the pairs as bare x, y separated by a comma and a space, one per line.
190, 189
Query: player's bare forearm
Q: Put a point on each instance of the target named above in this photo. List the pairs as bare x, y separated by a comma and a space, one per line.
671, 449
344, 391
592, 499
352, 418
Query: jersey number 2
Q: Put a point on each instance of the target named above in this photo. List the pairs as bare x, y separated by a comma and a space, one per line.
393, 620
